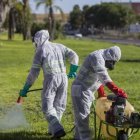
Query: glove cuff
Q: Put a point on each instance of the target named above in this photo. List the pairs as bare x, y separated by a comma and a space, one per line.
116, 90
101, 92
26, 87
73, 68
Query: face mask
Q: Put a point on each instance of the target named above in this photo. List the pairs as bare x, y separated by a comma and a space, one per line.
109, 64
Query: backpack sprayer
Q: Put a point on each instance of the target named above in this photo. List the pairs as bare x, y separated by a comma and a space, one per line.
116, 114
20, 100
118, 118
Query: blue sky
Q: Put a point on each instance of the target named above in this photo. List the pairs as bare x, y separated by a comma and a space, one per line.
67, 5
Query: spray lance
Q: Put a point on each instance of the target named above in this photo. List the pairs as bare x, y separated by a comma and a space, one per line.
20, 98
20, 101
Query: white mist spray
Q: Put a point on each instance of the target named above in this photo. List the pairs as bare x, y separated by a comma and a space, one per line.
14, 118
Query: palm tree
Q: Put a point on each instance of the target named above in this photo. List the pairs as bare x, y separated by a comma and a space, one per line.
11, 18
26, 20
49, 4
4, 8
7, 7
10, 7
11, 23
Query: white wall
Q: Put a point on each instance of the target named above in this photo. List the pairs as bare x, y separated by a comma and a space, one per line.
134, 28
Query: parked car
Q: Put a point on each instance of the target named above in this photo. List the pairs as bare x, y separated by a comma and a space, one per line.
78, 35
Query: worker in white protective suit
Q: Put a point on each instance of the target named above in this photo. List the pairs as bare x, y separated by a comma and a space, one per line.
51, 58
92, 77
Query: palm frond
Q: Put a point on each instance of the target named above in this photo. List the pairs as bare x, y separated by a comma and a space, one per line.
42, 2
59, 9
38, 4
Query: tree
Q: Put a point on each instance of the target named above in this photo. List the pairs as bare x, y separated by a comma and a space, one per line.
84, 11
112, 15
26, 21
19, 17
7, 10
11, 19
49, 5
4, 8
11, 23
84, 27
75, 18
138, 19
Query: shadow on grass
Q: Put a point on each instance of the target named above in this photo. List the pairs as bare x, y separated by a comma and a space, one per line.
22, 135
131, 60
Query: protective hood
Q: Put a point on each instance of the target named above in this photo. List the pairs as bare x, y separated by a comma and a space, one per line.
40, 37
113, 53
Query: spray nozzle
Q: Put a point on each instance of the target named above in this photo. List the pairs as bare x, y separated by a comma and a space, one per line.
20, 100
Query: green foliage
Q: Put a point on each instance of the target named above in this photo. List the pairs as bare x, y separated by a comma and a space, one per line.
50, 6
138, 18
111, 15
15, 63
26, 20
36, 27
84, 11
76, 17
40, 26
18, 17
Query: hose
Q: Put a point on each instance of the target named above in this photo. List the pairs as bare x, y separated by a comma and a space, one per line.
20, 99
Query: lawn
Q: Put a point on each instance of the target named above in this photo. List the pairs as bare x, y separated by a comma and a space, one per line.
15, 62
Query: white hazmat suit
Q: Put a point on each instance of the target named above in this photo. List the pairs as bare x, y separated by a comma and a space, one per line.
51, 57
92, 75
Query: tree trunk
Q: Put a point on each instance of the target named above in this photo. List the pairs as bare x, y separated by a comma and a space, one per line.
11, 24
52, 23
26, 27
4, 9
1, 9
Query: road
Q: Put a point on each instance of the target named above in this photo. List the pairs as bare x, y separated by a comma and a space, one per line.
123, 41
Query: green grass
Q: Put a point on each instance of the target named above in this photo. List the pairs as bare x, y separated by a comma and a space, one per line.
15, 61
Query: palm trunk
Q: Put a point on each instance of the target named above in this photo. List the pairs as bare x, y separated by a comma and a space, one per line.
11, 24
26, 28
24, 25
52, 23
4, 9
